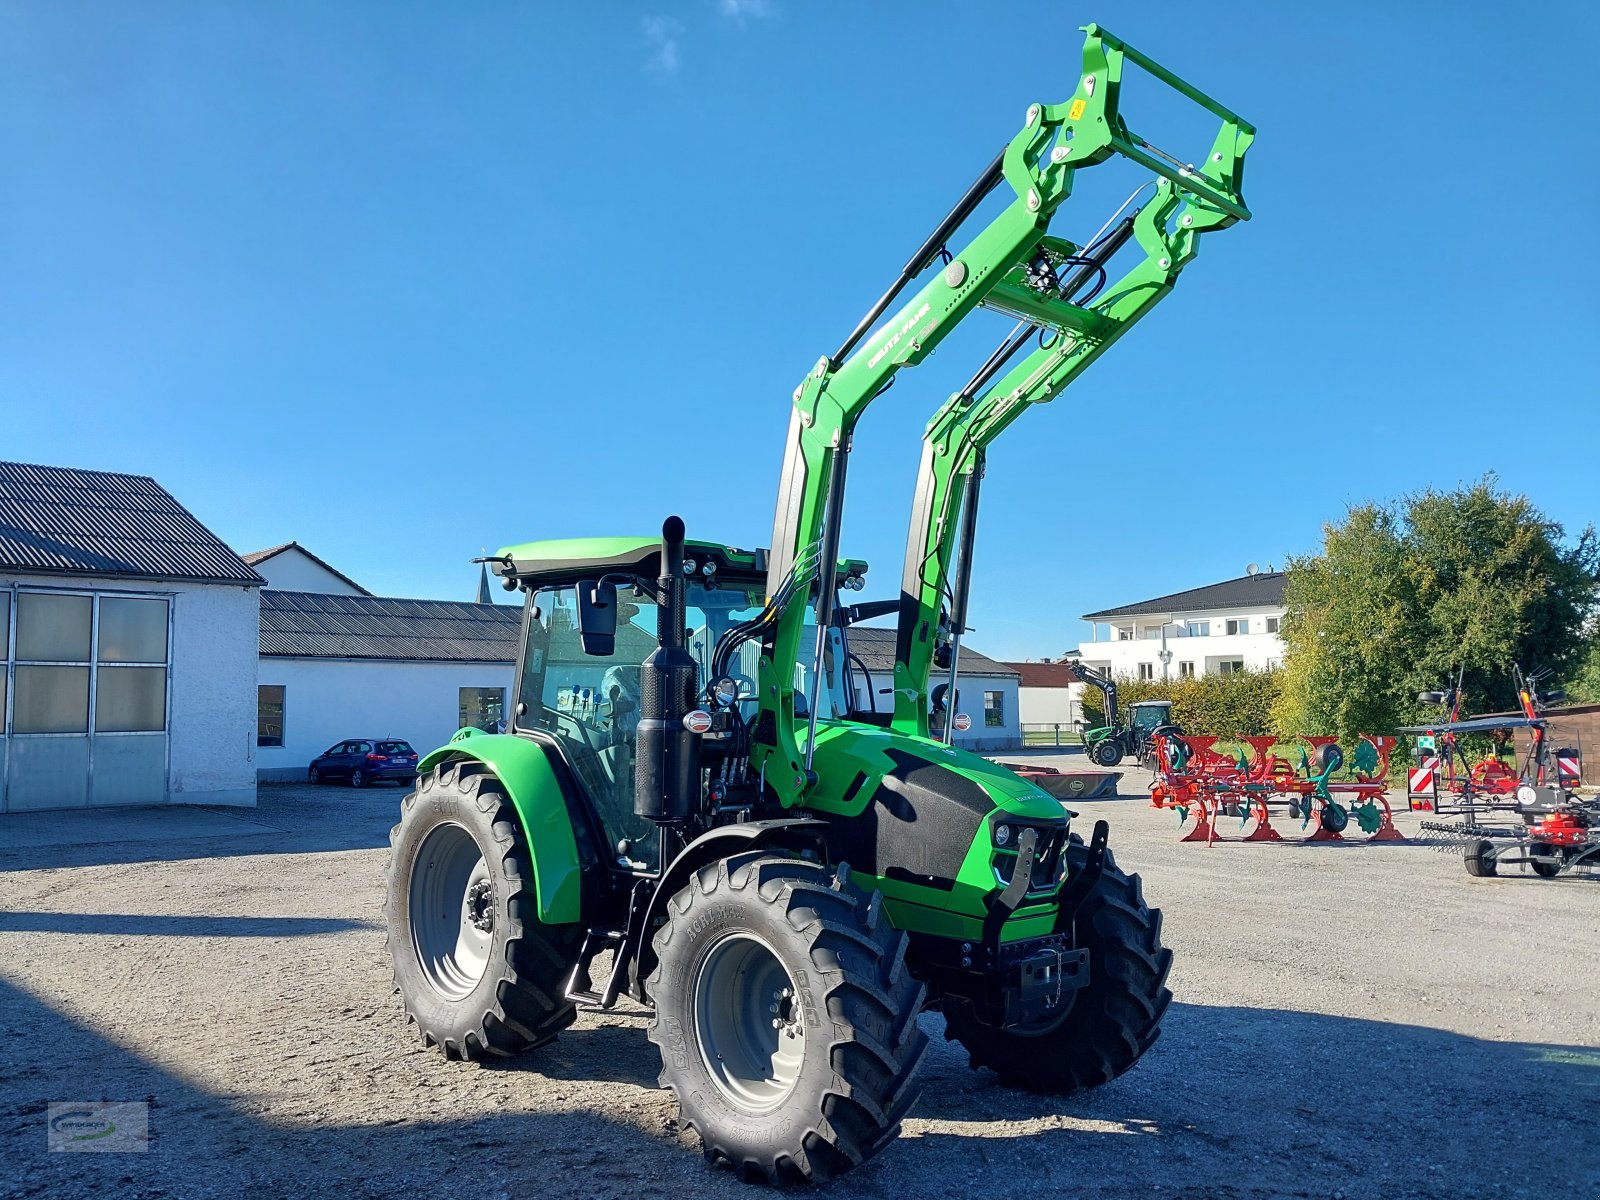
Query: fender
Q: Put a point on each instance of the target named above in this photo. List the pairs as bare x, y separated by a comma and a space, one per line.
717, 843
523, 769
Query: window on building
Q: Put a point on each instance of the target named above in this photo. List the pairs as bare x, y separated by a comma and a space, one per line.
1272, 624
1230, 666
994, 709
1125, 634
1185, 670
269, 714
1197, 628
1151, 633
1238, 625
483, 708
1147, 670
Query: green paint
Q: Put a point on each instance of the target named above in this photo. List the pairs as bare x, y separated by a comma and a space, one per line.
525, 773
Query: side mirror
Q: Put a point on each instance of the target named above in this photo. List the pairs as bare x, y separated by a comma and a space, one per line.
1431, 697
1555, 696
597, 617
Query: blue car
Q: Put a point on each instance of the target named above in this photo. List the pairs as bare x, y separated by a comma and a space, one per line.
361, 761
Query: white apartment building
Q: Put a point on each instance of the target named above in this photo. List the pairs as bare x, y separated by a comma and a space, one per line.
1213, 630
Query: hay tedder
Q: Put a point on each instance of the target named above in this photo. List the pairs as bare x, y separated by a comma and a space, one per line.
1529, 817
1205, 788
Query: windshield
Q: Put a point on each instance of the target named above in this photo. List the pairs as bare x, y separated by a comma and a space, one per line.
590, 703
1147, 717
394, 748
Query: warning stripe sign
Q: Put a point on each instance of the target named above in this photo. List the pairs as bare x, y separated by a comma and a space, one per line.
1568, 766
1422, 784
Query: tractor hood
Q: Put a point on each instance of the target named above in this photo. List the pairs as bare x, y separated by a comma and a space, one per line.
923, 819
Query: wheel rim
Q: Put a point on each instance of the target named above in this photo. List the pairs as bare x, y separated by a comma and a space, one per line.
356, 779
313, 775
452, 911
748, 1022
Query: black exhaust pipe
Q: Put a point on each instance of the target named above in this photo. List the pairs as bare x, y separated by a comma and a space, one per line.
666, 780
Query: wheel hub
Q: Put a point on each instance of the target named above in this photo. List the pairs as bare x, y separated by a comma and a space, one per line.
480, 906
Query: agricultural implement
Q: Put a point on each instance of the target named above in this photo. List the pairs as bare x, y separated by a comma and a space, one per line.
1532, 817
1447, 780
689, 813
1198, 783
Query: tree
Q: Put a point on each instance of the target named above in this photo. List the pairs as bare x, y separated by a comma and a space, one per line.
1404, 596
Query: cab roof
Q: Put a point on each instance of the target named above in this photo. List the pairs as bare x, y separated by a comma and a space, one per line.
556, 559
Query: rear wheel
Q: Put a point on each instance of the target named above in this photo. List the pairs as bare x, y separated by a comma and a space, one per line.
785, 1017
358, 777
1112, 1020
1107, 752
1480, 858
477, 971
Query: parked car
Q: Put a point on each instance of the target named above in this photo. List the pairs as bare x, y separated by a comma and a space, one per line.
361, 761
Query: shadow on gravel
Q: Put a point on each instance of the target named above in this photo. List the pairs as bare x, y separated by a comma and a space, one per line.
139, 925
303, 819
1232, 1102
1329, 1097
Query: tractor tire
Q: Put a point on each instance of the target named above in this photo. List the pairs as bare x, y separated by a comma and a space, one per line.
786, 1018
1112, 1020
1107, 752
477, 971
1480, 858
1334, 817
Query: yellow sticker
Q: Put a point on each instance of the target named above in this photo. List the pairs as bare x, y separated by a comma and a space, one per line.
1076, 110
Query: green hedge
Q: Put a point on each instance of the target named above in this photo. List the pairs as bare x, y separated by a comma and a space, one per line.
1221, 704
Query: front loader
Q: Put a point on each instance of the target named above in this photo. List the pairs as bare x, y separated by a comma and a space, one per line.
690, 815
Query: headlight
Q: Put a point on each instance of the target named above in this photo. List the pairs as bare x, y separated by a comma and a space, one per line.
1002, 835
690, 566
709, 569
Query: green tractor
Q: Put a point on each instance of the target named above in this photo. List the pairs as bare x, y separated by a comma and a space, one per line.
1110, 743
697, 807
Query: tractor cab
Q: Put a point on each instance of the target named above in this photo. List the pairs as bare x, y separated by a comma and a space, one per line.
1146, 716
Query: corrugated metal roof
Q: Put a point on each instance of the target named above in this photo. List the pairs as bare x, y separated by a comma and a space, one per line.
1264, 589
875, 648
65, 521
316, 625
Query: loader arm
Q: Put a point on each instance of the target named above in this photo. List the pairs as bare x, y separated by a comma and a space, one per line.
1038, 166
937, 572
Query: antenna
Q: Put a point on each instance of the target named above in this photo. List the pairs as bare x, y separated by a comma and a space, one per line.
1251, 569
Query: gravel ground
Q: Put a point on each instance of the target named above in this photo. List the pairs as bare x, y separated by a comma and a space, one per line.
1350, 1021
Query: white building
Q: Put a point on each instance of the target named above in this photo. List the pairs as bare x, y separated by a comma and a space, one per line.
1212, 630
338, 663
128, 639
988, 690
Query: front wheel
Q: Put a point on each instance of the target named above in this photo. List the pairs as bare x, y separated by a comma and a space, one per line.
785, 1017
313, 776
1553, 863
478, 972
1112, 1020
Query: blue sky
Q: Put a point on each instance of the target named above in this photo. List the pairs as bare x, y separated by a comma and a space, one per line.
404, 281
